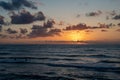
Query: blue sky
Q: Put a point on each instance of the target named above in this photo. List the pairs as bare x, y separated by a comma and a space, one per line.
70, 8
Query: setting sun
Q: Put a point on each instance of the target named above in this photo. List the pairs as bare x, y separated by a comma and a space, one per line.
76, 36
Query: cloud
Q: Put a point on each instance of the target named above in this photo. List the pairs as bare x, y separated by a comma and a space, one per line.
53, 32
78, 15
88, 31
25, 17
10, 31
116, 17
0, 28
80, 26
45, 30
17, 4
112, 13
49, 24
20, 36
42, 31
6, 5
83, 26
26, 3
111, 25
94, 13
118, 30
39, 16
17, 35
103, 30
105, 25
118, 24
61, 23
1, 20
107, 17
38, 30
23, 31
3, 36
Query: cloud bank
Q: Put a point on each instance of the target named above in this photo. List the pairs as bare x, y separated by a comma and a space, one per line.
11, 31
45, 30
83, 26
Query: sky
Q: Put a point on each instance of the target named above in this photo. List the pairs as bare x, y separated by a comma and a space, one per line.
34, 21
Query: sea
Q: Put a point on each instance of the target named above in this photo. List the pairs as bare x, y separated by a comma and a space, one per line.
59, 62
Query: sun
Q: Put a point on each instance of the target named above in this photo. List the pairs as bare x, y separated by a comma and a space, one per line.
76, 35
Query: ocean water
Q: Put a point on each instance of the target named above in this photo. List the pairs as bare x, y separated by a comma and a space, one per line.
60, 62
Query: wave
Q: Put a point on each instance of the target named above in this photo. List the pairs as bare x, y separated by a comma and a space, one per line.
59, 62
35, 58
80, 66
5, 53
91, 77
110, 61
32, 77
90, 50
94, 68
13, 76
88, 55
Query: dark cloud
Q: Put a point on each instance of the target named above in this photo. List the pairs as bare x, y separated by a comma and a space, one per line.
45, 30
26, 3
78, 15
23, 31
61, 23
107, 17
105, 25
118, 24
3, 36
116, 17
0, 28
49, 23
82, 26
103, 30
53, 32
25, 17
39, 16
6, 5
112, 13
94, 13
88, 31
1, 20
17, 4
20, 36
38, 30
11, 31
118, 30
111, 25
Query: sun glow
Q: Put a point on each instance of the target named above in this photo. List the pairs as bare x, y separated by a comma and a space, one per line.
76, 36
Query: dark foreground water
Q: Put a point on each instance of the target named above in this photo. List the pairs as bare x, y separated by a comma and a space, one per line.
60, 62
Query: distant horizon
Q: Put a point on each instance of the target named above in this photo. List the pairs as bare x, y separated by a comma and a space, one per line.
64, 42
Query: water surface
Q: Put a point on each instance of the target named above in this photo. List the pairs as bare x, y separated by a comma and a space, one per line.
59, 62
